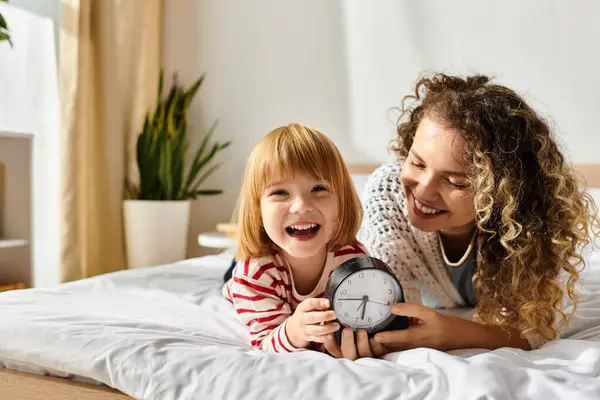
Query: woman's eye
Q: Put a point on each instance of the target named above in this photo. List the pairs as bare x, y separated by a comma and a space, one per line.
417, 165
456, 185
319, 188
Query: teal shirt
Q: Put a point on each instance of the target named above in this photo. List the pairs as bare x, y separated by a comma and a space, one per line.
462, 277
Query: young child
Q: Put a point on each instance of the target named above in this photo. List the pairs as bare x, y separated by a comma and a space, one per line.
298, 219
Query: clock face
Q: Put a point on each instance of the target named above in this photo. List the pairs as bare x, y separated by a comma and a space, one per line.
364, 298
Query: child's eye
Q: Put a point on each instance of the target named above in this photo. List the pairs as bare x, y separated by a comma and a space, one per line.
278, 192
319, 188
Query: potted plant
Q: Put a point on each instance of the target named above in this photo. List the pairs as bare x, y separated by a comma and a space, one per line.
4, 32
156, 211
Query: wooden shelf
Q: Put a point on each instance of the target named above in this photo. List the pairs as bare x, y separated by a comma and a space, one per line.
18, 135
12, 286
8, 243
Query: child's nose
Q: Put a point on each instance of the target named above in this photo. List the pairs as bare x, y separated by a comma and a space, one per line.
301, 204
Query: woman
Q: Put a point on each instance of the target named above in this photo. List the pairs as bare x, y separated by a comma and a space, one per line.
480, 210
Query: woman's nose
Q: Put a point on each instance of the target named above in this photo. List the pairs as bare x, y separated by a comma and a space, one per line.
426, 189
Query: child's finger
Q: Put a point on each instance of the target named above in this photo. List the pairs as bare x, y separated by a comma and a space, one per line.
316, 317
317, 331
313, 304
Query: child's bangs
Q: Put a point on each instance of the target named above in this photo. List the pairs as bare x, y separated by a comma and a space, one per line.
289, 156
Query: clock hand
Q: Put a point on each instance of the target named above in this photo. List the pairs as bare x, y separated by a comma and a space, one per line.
364, 309
377, 302
361, 305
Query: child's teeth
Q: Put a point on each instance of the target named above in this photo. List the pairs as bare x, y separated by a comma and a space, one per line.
303, 226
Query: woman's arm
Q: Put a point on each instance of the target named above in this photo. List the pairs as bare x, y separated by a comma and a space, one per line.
429, 329
447, 332
470, 334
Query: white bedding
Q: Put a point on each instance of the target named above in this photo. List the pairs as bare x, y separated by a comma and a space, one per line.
166, 333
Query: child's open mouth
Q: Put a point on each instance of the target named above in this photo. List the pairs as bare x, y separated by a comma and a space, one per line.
303, 231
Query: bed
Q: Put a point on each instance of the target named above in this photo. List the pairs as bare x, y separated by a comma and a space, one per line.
165, 332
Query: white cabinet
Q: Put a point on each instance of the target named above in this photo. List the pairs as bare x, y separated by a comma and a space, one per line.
31, 149
16, 209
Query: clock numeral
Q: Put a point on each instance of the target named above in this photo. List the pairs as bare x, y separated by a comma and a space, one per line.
384, 280
356, 319
361, 275
349, 282
388, 303
346, 315
344, 292
370, 320
339, 304
389, 291
374, 275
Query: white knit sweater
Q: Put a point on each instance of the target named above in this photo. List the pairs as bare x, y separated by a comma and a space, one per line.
414, 256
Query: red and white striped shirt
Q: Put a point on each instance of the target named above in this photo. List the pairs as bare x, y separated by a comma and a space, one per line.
263, 293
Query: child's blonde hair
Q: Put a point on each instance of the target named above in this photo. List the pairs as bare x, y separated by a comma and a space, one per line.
279, 154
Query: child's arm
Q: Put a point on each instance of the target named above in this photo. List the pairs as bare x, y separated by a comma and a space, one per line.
260, 306
259, 294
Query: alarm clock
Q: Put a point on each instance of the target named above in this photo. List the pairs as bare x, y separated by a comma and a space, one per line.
361, 291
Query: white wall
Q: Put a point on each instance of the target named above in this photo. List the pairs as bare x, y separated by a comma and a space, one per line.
50, 9
547, 50
268, 63
341, 65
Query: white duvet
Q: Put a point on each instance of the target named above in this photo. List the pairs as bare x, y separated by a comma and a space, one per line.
166, 333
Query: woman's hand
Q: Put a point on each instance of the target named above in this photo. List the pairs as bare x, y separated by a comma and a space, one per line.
351, 349
428, 328
311, 322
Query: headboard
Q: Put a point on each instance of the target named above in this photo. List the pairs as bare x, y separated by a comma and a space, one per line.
589, 174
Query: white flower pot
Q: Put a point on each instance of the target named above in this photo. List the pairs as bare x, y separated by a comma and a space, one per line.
156, 232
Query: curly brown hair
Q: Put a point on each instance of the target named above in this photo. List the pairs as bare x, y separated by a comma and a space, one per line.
533, 220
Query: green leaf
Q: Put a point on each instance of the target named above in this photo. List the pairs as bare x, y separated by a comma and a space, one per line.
180, 140
204, 176
161, 81
216, 148
162, 148
165, 170
159, 115
172, 115
195, 167
4, 35
191, 93
3, 23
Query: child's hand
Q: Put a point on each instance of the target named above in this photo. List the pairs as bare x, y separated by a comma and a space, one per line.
304, 326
